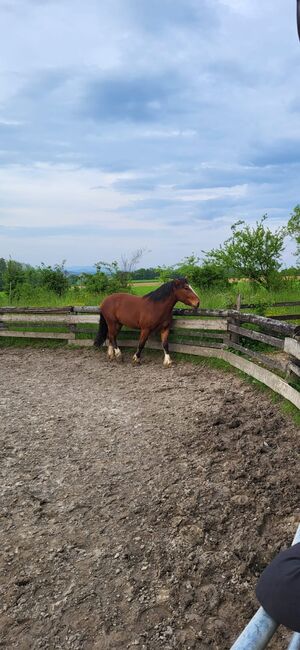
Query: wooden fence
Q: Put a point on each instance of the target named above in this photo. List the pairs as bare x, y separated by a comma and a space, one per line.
265, 348
255, 306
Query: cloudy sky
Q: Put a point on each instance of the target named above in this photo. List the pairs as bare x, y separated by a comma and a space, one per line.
150, 124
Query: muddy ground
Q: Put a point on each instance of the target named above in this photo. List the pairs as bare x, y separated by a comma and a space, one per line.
138, 504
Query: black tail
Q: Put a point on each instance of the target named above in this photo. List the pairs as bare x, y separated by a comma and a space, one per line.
102, 332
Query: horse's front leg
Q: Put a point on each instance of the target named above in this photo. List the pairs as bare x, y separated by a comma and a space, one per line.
142, 340
165, 343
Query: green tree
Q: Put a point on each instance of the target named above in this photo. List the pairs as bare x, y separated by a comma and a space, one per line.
144, 274
95, 282
251, 252
203, 275
166, 273
54, 279
13, 277
293, 228
2, 272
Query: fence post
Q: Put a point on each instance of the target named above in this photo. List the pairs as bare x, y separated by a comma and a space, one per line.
234, 320
292, 348
233, 336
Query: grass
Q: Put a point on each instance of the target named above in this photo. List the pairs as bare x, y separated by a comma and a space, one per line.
210, 299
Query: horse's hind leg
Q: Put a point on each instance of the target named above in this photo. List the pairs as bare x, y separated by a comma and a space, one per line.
142, 340
165, 343
113, 349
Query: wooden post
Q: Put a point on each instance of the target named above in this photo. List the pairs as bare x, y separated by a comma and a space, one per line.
72, 330
234, 320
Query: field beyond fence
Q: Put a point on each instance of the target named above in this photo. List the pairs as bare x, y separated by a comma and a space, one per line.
267, 349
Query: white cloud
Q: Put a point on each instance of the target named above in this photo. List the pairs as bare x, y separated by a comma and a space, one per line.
57, 195
182, 159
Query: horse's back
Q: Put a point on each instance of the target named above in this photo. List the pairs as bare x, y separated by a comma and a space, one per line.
119, 299
124, 308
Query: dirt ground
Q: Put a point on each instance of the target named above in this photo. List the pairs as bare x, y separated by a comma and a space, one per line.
138, 505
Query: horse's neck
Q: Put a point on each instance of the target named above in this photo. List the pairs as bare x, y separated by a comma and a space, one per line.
168, 304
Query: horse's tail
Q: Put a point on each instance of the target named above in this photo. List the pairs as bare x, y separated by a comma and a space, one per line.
102, 332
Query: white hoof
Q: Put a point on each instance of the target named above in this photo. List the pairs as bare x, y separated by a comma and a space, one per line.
167, 361
118, 354
110, 352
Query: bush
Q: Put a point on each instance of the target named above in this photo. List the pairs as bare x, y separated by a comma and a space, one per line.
206, 276
95, 283
54, 279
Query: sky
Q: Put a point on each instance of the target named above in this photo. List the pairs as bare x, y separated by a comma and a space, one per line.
144, 124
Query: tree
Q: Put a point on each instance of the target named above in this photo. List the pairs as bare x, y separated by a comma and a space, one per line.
293, 228
54, 279
204, 276
165, 273
251, 252
144, 274
2, 272
119, 275
96, 282
13, 277
128, 265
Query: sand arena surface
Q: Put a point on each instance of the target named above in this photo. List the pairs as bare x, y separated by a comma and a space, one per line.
138, 505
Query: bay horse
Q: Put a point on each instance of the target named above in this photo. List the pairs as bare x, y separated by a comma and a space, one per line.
149, 313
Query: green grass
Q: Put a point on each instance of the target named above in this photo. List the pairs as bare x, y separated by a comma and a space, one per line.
209, 299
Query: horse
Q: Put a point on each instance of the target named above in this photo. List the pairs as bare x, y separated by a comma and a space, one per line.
149, 313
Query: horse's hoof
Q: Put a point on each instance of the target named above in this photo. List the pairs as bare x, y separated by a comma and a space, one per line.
167, 363
136, 359
118, 355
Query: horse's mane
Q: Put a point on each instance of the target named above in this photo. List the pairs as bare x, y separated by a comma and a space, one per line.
162, 292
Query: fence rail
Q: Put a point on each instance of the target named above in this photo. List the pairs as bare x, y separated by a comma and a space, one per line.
264, 348
287, 303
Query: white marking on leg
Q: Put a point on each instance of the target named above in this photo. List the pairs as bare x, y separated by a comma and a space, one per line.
136, 359
167, 360
110, 352
118, 353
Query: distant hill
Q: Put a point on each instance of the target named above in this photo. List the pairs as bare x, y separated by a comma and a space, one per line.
77, 270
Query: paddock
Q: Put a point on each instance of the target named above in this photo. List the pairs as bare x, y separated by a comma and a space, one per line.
138, 505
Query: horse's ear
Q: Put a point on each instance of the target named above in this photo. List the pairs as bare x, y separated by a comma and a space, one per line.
177, 282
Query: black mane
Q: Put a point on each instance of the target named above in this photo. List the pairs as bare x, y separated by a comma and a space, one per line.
162, 292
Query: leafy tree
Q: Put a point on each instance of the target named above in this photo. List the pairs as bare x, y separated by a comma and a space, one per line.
54, 279
96, 282
251, 252
13, 277
204, 276
115, 279
293, 228
144, 274
165, 273
2, 272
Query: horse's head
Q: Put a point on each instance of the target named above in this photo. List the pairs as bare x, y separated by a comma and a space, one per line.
184, 293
